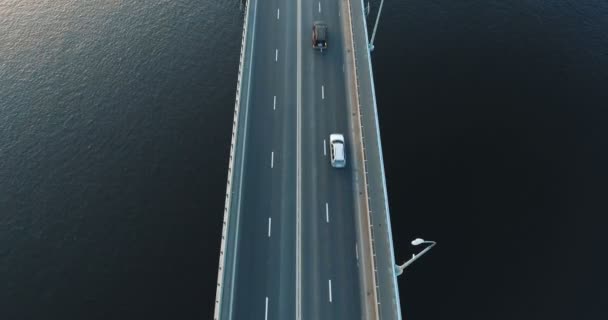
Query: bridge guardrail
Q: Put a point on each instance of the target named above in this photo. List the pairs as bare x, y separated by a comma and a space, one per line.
361, 174
229, 238
375, 184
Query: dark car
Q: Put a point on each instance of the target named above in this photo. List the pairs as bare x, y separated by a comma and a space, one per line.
319, 35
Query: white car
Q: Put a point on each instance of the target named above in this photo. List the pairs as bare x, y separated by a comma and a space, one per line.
336, 150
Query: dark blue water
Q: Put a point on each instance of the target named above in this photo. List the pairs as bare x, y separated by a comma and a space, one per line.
493, 117
115, 119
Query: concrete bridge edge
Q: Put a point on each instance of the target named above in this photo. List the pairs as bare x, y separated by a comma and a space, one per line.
234, 177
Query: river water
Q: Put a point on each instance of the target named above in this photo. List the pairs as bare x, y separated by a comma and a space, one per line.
115, 119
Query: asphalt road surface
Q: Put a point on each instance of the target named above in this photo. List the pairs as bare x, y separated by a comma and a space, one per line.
267, 285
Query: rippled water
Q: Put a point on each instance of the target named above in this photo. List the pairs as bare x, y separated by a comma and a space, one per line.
114, 128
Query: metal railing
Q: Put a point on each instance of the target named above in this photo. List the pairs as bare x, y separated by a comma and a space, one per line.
379, 198
231, 165
365, 176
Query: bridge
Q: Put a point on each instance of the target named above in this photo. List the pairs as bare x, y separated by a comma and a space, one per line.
302, 239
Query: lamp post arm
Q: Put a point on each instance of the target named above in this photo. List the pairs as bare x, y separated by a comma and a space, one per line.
414, 258
371, 42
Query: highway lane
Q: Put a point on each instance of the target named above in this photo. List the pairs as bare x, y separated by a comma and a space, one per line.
340, 182
328, 204
265, 270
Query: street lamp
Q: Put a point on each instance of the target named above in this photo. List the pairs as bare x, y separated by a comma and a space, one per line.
415, 242
371, 42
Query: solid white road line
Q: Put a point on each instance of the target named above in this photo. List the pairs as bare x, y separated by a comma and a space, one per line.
299, 161
272, 159
324, 148
322, 92
319, 6
326, 212
357, 251
269, 226
330, 290
274, 103
266, 312
276, 54
278, 13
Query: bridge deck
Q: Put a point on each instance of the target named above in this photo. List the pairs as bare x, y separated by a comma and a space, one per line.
283, 117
